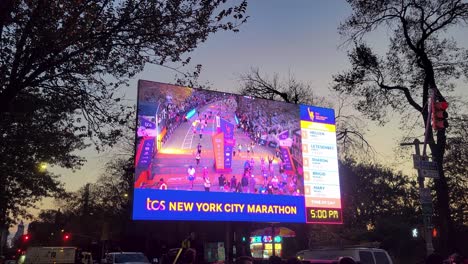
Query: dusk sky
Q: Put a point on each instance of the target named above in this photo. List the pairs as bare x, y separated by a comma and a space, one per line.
297, 37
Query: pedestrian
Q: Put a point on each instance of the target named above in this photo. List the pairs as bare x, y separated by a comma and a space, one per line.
239, 148
275, 183
239, 187
270, 160
252, 183
246, 166
285, 177
191, 175
233, 152
272, 171
245, 183
252, 146
201, 133
206, 183
252, 163
265, 177
162, 184
199, 147
197, 158
233, 183
221, 182
248, 150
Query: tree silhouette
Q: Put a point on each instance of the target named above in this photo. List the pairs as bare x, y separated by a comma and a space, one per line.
419, 58
350, 132
61, 66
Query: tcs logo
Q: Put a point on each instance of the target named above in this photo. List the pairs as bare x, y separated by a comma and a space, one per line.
155, 205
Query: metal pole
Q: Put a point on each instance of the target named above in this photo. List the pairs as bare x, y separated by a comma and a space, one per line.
430, 101
273, 239
427, 231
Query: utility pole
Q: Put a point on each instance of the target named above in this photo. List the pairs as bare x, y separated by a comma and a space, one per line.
424, 194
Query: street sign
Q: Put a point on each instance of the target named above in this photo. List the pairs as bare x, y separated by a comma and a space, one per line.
422, 163
427, 165
430, 174
428, 168
425, 195
427, 208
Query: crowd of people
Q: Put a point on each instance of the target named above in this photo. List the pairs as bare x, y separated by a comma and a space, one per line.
259, 121
172, 111
252, 121
274, 181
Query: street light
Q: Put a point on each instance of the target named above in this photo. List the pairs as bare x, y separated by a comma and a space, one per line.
43, 166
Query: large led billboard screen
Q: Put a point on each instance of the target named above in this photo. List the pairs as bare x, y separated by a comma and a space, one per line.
214, 156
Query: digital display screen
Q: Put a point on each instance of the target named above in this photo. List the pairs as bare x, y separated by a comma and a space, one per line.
213, 156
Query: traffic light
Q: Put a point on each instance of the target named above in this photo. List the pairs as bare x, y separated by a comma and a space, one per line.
435, 232
66, 237
25, 238
439, 115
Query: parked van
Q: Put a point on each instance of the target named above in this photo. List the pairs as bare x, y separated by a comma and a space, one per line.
55, 255
359, 254
126, 257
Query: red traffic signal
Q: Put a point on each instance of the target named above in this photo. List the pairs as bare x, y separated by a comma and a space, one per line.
435, 232
439, 115
26, 238
66, 237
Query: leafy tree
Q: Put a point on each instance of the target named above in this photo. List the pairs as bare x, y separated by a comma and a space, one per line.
46, 230
85, 212
456, 167
350, 131
23, 151
61, 65
420, 57
379, 206
372, 191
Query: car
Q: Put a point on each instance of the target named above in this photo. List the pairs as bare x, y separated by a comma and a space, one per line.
361, 255
126, 258
341, 260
